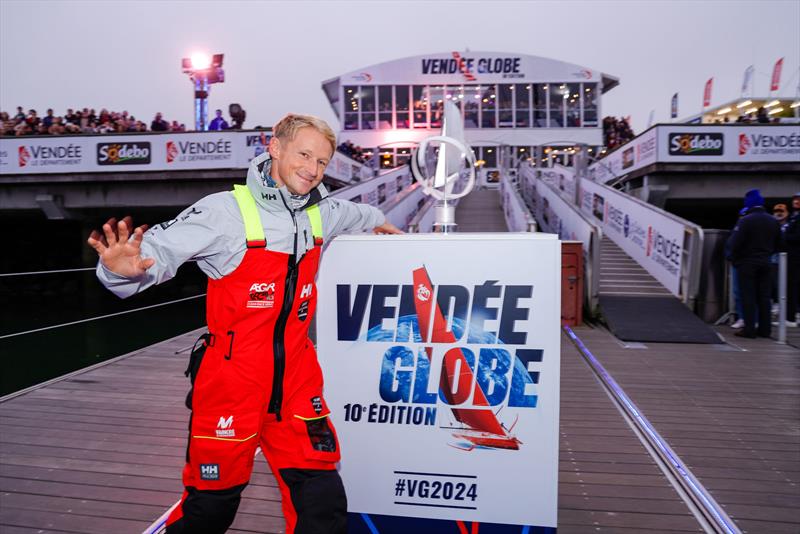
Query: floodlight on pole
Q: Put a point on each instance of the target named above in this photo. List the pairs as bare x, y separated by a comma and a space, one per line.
203, 71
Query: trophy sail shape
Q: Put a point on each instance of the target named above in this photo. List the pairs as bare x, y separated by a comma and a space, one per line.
454, 160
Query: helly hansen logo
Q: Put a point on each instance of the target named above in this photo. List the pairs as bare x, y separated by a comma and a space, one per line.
224, 427
269, 196
261, 295
209, 471
306, 292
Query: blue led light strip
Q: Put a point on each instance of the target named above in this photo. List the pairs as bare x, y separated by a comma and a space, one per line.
707, 505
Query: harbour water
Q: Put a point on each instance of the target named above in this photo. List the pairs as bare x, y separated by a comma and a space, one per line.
37, 341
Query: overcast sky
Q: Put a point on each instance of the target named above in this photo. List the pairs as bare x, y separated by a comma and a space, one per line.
126, 55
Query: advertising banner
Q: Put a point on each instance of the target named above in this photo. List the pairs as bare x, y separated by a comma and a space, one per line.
747, 81
562, 180
654, 240
732, 143
35, 155
150, 152
441, 363
673, 107
638, 153
776, 75
559, 216
699, 144
248, 145
347, 170
707, 92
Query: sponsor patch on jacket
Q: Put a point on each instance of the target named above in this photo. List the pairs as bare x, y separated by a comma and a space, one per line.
302, 311
316, 403
262, 295
209, 471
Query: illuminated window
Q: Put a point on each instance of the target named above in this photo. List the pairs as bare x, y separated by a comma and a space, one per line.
488, 102
472, 95
436, 96
590, 105
385, 106
557, 94
573, 103
401, 105
368, 119
522, 105
540, 91
350, 107
505, 103
420, 103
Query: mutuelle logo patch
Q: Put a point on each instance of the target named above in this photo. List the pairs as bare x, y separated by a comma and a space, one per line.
123, 153
697, 144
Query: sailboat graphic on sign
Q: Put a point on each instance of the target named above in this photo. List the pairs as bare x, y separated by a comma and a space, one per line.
479, 426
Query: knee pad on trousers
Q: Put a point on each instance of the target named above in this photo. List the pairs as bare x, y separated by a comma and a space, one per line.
319, 500
207, 511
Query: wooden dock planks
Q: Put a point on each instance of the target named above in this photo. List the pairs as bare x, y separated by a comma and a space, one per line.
733, 416
102, 451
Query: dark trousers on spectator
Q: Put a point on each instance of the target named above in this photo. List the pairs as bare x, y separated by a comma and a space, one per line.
755, 284
792, 287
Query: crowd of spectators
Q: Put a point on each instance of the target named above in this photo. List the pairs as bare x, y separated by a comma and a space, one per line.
353, 152
85, 121
616, 132
760, 116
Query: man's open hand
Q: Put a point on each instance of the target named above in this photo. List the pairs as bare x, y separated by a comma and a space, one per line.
387, 228
118, 253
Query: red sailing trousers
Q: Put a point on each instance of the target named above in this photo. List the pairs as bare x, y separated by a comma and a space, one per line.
259, 384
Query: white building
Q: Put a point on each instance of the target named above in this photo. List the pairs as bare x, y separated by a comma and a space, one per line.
538, 106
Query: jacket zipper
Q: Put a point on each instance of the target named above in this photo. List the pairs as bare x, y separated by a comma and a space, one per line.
278, 341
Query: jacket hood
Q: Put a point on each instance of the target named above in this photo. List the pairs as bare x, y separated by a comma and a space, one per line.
274, 198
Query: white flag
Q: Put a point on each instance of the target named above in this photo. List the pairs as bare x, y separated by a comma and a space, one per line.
747, 82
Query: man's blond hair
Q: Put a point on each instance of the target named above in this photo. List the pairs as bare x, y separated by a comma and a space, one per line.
287, 127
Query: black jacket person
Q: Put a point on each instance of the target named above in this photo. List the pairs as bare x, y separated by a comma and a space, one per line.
754, 239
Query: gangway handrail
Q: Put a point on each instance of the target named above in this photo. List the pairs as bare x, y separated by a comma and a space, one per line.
691, 255
591, 249
422, 222
347, 190
506, 186
592, 265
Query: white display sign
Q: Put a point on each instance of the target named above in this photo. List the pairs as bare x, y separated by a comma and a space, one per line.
149, 152
441, 362
684, 143
654, 240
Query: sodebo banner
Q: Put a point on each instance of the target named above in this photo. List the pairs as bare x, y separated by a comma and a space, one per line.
441, 363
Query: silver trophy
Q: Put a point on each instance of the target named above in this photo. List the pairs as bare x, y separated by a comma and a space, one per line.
445, 167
